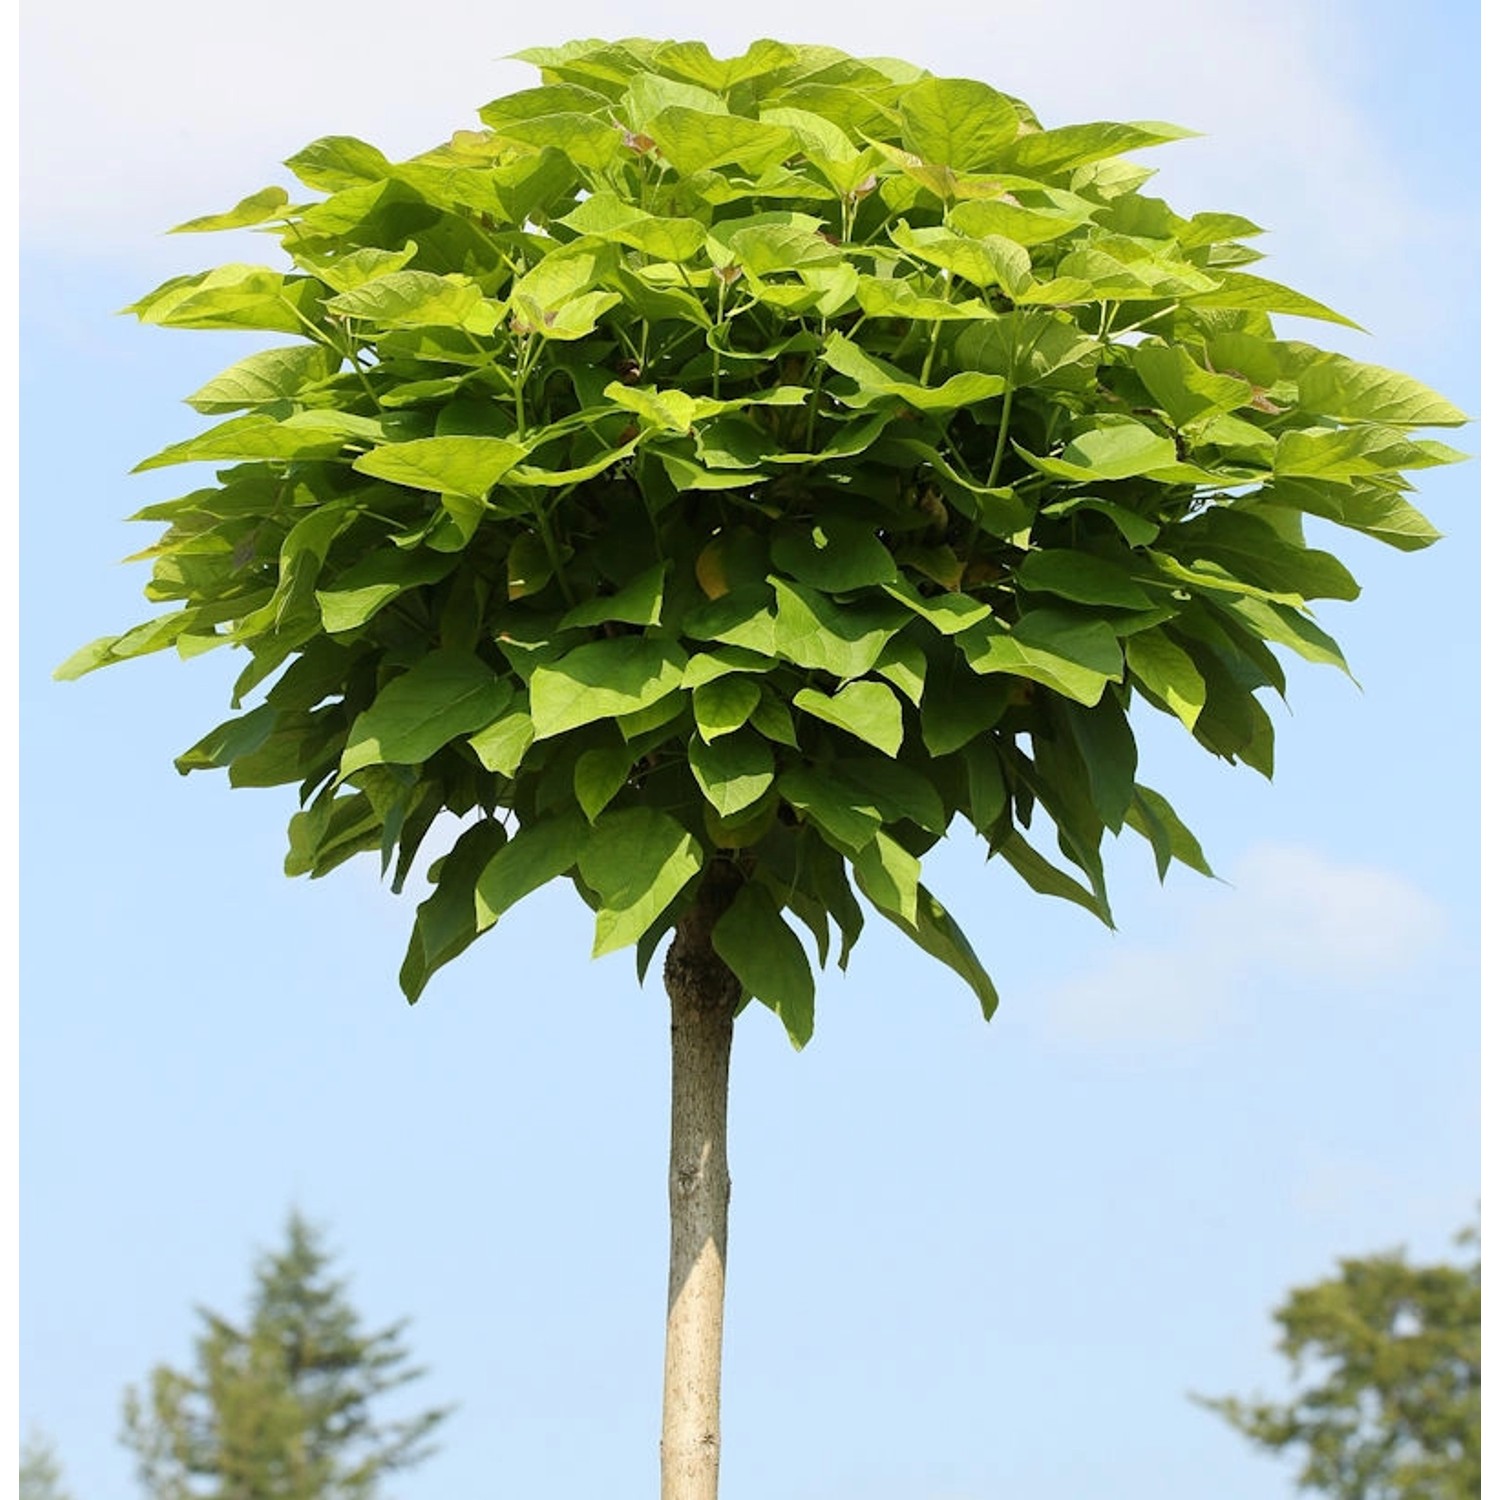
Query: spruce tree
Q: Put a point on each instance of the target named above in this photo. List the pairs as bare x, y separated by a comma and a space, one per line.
282, 1407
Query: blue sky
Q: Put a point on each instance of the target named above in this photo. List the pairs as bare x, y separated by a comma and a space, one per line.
967, 1260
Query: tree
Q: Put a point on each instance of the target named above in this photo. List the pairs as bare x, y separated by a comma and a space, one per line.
1394, 1411
712, 478
41, 1474
281, 1408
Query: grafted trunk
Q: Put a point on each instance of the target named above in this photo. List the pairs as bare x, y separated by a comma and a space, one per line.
703, 994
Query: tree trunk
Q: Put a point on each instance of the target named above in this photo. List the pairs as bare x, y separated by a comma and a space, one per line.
704, 995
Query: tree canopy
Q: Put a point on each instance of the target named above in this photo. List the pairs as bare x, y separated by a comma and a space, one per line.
761, 462
1387, 1354
281, 1407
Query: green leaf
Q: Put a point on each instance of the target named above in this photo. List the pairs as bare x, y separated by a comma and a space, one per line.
1082, 577
256, 209
734, 772
1167, 672
1044, 877
694, 141
1107, 747
868, 710
991, 261
935, 931
957, 705
846, 816
635, 861
1183, 388
500, 746
467, 466
835, 556
880, 381
763, 953
1024, 346
448, 694
233, 296
1136, 529
1072, 146
722, 704
1151, 815
638, 603
1072, 655
903, 664
603, 680
446, 922
419, 299
948, 613
599, 774
958, 123
1354, 453
365, 589
611, 218
307, 434
899, 791
539, 852
263, 379
1369, 506
1118, 448
1239, 289
887, 874
1335, 386
334, 162
1286, 627
813, 631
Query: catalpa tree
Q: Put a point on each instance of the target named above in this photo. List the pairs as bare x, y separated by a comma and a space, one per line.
709, 480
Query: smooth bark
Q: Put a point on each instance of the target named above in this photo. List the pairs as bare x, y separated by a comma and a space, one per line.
704, 995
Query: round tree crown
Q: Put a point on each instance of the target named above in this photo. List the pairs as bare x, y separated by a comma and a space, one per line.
753, 464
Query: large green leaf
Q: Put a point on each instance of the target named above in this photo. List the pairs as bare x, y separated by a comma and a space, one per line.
722, 704
307, 434
1151, 815
448, 694
1068, 653
1335, 386
1071, 146
265, 378
763, 953
958, 123
833, 556
877, 380
539, 852
467, 466
635, 862
1118, 448
992, 261
1354, 453
1371, 506
848, 817
814, 631
934, 931
887, 874
1167, 672
603, 680
1182, 387
446, 922
638, 603
868, 710
268, 203
694, 141
735, 771
1083, 577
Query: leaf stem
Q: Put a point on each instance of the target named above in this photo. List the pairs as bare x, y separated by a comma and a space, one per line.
1001, 437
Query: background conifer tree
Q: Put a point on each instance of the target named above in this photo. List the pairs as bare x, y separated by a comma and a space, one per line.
281, 1407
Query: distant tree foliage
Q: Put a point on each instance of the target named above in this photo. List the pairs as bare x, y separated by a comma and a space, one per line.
1393, 1413
281, 1408
41, 1474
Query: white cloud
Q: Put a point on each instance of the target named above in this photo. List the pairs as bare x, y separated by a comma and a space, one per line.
1289, 915
137, 117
